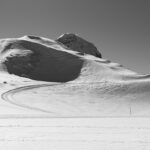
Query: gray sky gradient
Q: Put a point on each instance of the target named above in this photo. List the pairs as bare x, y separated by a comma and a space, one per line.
119, 28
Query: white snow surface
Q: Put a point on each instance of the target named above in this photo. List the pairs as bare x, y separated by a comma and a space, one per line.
102, 88
75, 134
106, 107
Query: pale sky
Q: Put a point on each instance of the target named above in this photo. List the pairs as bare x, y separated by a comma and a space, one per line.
119, 28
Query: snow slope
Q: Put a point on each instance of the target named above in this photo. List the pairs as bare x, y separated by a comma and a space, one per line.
47, 77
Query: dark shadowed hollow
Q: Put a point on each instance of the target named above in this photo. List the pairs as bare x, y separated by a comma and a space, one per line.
42, 62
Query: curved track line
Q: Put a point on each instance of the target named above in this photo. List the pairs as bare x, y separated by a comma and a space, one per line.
7, 96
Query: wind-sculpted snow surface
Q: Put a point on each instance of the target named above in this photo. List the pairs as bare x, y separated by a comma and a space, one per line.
88, 85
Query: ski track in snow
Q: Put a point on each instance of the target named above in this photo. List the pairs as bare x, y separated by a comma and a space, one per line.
8, 96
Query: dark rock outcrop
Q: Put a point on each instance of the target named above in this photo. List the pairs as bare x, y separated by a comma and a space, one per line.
78, 44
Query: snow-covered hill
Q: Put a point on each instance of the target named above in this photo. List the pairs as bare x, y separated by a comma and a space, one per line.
86, 84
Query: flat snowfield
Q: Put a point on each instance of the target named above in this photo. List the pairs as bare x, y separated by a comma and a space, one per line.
75, 134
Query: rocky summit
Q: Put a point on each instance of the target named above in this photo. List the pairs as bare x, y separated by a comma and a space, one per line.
79, 44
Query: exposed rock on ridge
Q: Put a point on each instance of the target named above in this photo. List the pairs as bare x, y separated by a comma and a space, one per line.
77, 43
